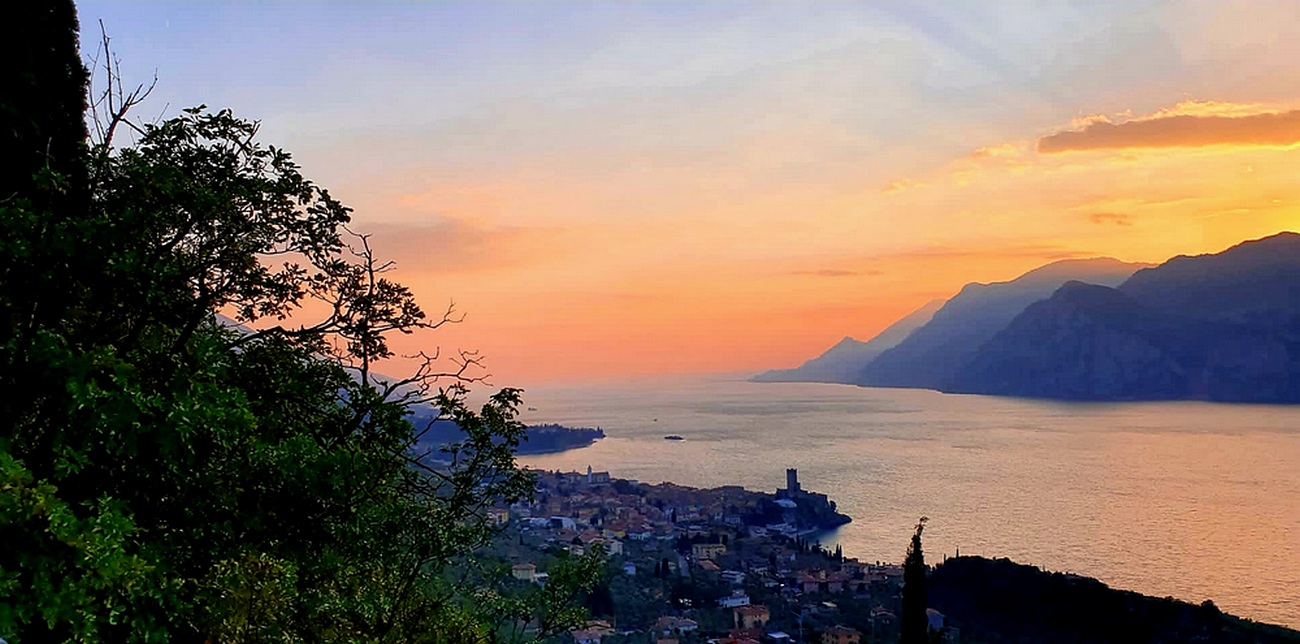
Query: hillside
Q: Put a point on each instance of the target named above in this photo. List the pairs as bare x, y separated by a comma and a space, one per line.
992, 601
937, 350
1222, 327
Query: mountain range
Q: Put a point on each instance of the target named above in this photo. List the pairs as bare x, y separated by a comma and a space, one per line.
1222, 327
933, 353
843, 362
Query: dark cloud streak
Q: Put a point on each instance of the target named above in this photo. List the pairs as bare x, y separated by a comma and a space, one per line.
834, 272
1116, 218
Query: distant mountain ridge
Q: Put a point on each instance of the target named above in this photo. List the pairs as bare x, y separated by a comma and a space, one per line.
932, 354
842, 362
1221, 327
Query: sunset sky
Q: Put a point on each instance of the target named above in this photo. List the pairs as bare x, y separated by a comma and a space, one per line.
618, 189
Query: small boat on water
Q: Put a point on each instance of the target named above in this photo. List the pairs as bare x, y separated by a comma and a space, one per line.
673, 437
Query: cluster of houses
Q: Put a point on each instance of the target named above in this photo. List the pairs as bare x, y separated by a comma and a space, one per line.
746, 542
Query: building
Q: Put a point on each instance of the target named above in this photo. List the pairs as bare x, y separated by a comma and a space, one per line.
792, 481
853, 568
735, 599
592, 633
884, 624
751, 617
597, 478
841, 635
524, 572
702, 551
612, 546
670, 625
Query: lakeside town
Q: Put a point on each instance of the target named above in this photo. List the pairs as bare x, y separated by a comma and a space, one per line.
687, 565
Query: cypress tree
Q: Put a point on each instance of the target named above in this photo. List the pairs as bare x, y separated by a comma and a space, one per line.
915, 625
42, 124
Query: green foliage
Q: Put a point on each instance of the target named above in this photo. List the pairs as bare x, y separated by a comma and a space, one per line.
73, 568
540, 611
165, 476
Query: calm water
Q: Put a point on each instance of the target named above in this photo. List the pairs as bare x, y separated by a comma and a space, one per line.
1193, 500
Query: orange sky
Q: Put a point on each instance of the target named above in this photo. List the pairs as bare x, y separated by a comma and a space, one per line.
773, 279
623, 189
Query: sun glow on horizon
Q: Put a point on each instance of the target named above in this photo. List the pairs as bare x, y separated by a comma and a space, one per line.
624, 190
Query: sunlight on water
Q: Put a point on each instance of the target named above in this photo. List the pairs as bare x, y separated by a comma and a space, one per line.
1194, 500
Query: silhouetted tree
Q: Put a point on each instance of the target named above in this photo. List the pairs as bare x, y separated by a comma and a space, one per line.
915, 626
165, 476
44, 133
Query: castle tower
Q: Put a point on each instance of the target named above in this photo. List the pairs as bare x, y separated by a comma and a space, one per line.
792, 480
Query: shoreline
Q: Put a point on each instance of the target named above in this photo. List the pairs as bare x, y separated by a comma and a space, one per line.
708, 528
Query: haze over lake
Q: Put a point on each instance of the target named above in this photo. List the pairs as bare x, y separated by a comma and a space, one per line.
1189, 499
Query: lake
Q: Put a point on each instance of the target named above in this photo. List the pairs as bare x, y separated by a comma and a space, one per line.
1185, 499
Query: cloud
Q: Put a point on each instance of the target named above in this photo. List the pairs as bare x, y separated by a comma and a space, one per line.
1116, 218
1175, 129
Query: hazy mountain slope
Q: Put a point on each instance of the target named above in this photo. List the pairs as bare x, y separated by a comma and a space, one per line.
1085, 342
936, 351
1222, 327
842, 362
